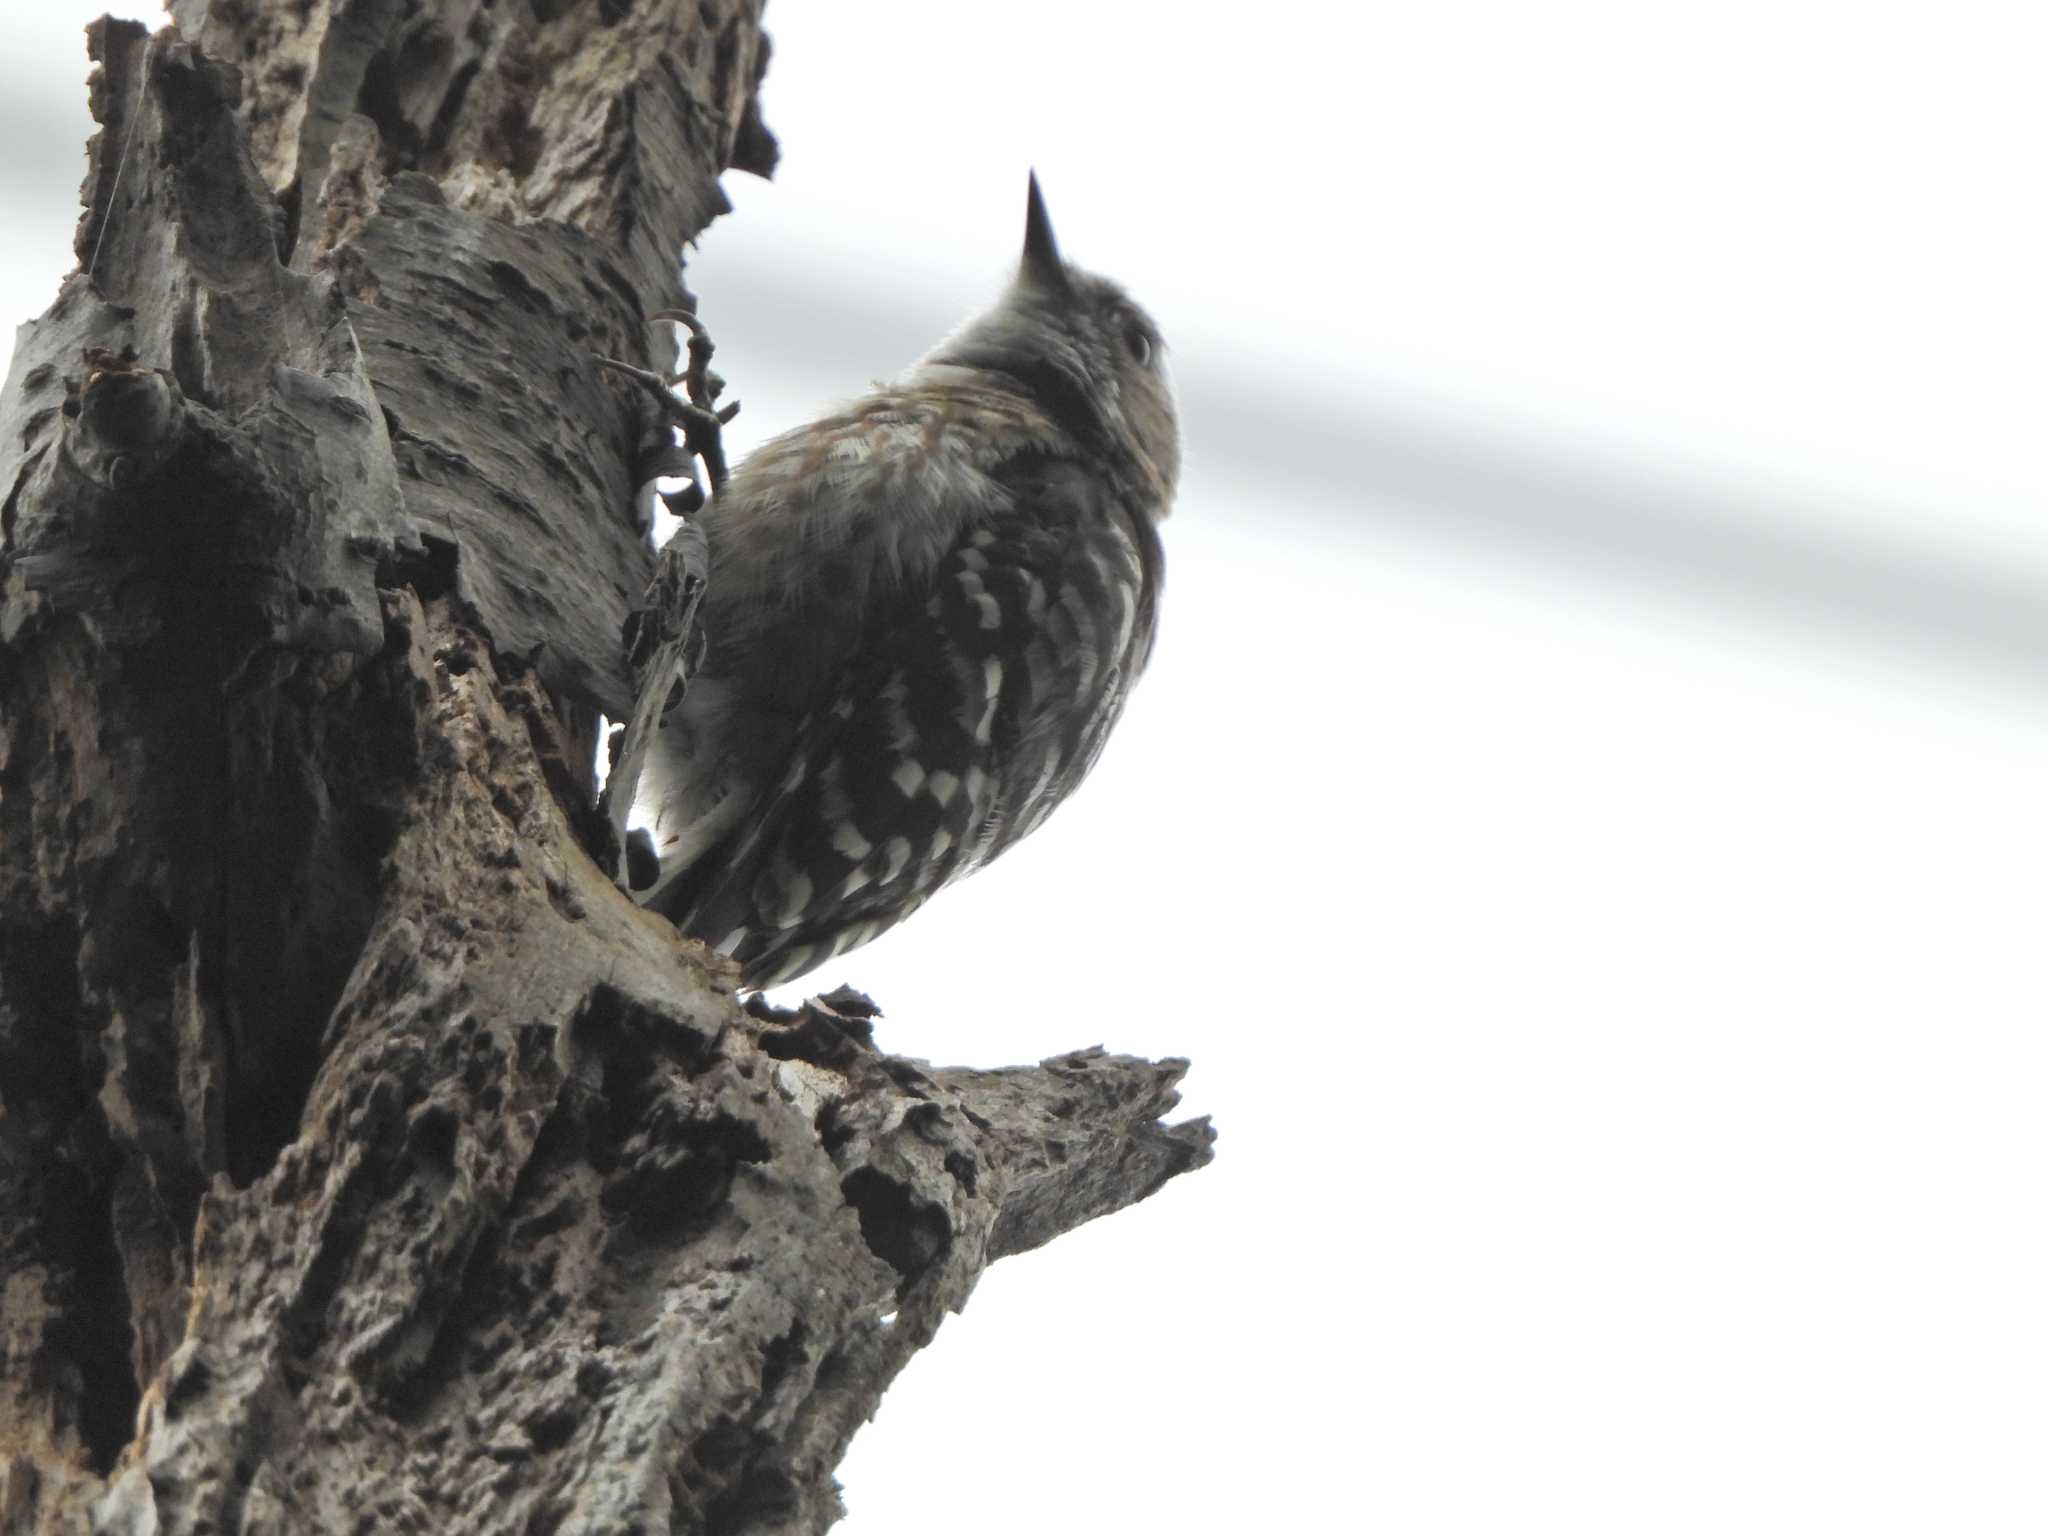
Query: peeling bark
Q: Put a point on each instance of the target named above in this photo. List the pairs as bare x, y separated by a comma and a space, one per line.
367, 1161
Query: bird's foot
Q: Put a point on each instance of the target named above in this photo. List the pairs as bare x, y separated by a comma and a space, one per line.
696, 412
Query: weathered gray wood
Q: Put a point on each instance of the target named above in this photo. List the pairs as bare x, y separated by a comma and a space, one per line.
367, 1161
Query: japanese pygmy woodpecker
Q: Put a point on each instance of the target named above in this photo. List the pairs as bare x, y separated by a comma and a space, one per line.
923, 614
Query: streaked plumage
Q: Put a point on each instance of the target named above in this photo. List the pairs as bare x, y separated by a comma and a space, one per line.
924, 613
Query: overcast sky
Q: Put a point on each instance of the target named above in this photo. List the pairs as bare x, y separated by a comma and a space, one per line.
1584, 820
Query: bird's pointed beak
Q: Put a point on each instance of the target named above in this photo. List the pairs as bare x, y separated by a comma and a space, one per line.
1042, 267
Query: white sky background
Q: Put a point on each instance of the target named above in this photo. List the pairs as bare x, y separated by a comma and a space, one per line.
1584, 820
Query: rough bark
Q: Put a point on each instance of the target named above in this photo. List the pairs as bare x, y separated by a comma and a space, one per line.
367, 1161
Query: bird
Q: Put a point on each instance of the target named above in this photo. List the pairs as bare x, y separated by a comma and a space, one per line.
923, 613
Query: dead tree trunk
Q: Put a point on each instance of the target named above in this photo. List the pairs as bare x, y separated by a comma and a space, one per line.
367, 1161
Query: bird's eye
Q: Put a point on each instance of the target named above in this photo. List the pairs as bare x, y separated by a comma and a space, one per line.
1138, 344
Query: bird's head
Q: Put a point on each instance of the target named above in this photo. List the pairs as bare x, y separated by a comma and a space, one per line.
1084, 350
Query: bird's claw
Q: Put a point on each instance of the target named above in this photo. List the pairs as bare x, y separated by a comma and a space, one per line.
702, 426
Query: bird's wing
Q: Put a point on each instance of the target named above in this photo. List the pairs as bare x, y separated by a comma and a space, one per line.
822, 527
972, 703
819, 535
